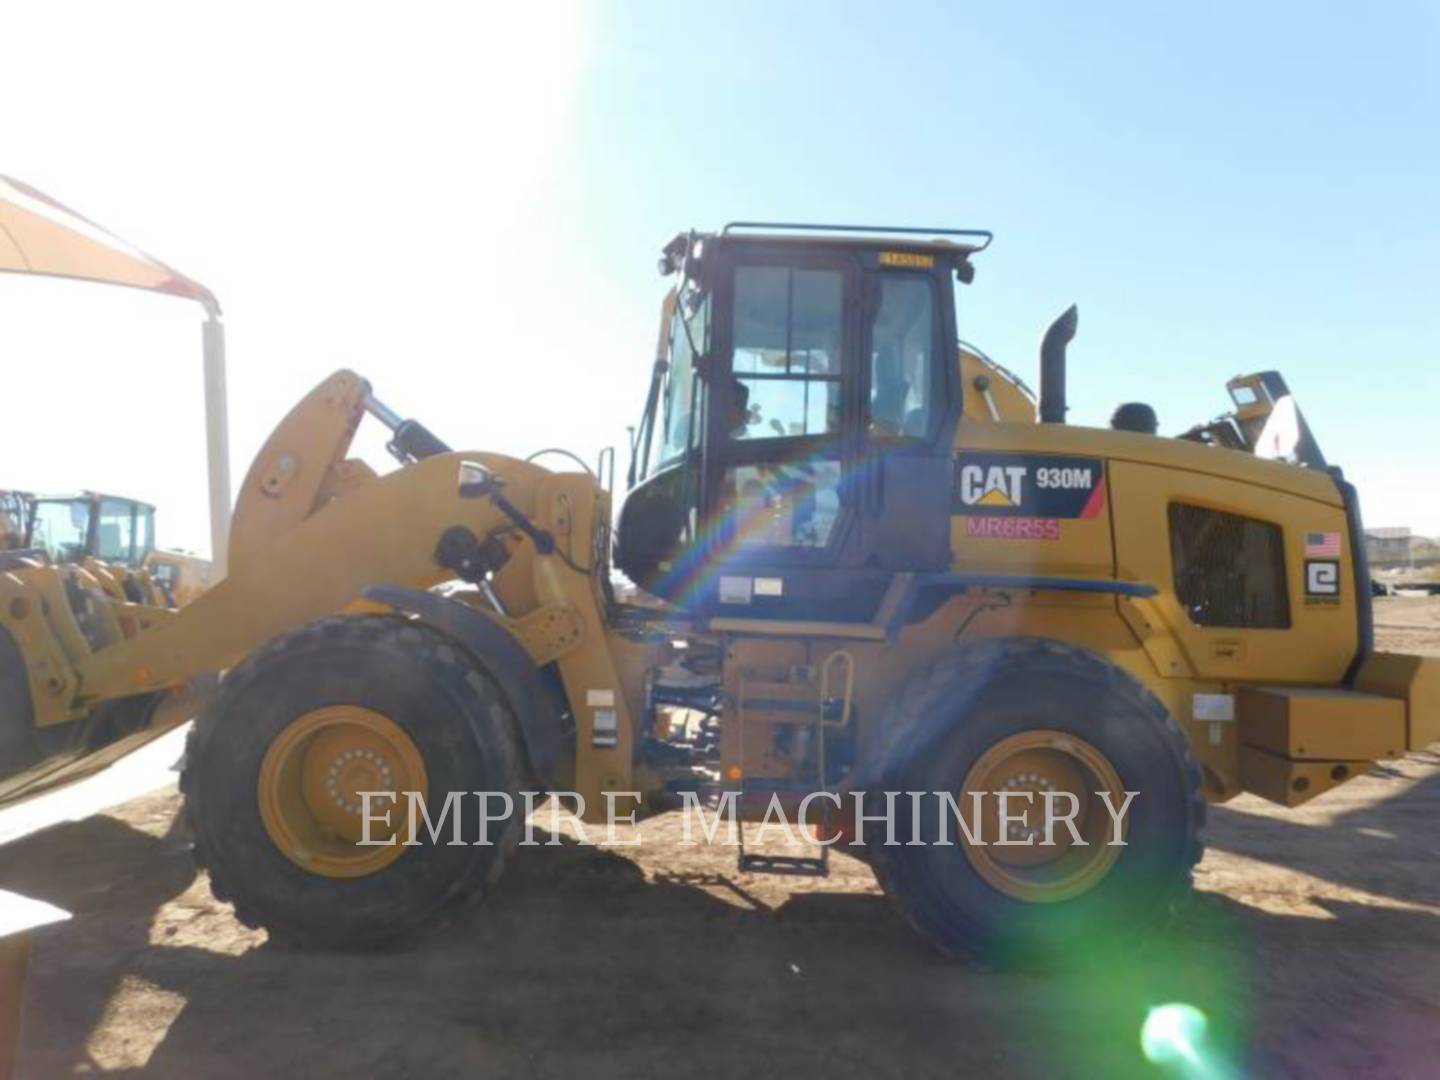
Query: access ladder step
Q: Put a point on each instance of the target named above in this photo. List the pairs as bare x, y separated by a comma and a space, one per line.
792, 865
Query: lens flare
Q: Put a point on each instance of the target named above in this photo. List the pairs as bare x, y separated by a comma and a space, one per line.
1172, 1035
735, 525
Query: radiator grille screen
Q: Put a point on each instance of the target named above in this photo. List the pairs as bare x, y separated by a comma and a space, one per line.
1229, 570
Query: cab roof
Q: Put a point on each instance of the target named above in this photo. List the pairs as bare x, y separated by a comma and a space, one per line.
955, 245
86, 496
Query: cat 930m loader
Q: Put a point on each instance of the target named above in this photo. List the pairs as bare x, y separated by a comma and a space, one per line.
863, 562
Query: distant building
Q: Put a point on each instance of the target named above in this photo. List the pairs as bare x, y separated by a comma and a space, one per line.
1395, 546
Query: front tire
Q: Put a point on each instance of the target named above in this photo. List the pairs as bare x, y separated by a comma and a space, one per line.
1034, 715
274, 766
18, 747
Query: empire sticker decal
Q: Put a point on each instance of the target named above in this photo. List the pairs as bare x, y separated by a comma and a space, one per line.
1322, 581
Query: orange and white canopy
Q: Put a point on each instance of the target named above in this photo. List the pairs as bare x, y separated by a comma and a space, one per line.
40, 236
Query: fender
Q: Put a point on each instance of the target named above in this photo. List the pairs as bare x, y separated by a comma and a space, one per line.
504, 660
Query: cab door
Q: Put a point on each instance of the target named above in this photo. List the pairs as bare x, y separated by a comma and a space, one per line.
782, 426
821, 474
910, 406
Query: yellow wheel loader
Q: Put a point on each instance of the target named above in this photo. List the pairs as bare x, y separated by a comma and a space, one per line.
62, 602
113, 537
876, 588
118, 533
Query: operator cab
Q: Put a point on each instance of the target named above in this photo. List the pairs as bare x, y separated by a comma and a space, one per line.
800, 420
70, 528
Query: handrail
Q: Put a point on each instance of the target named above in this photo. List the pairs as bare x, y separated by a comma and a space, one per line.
899, 230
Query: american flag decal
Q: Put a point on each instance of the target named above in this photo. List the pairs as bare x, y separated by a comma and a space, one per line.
1322, 544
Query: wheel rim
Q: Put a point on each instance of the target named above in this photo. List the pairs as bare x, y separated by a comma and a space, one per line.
309, 790
1038, 761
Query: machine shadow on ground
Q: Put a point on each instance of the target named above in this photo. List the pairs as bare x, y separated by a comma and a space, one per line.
1390, 848
579, 961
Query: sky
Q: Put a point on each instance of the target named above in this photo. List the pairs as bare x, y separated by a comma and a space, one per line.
465, 204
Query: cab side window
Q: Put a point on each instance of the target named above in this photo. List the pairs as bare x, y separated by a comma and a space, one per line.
902, 341
117, 531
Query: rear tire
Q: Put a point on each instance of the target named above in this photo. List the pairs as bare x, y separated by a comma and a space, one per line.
1027, 697
445, 718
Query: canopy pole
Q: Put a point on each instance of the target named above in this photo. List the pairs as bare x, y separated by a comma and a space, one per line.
217, 439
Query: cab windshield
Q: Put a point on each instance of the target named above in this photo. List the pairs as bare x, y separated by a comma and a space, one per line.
676, 425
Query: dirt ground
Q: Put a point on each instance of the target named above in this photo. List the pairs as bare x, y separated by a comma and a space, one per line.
1312, 945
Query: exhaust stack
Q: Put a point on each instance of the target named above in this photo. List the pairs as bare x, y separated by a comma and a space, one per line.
1052, 365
